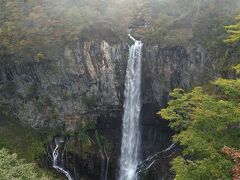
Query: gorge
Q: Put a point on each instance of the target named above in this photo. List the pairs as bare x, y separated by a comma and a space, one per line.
119, 90
97, 69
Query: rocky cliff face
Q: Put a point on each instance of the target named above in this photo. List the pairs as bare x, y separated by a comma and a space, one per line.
65, 91
86, 83
166, 68
89, 78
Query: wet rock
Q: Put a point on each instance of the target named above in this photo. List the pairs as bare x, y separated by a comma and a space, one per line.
85, 83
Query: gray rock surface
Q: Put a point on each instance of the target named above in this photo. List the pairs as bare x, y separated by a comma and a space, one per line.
85, 83
88, 78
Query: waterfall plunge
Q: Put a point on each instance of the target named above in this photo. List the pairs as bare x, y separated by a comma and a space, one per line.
132, 106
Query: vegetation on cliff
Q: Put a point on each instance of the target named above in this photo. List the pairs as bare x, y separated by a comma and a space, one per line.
234, 31
206, 121
22, 140
19, 138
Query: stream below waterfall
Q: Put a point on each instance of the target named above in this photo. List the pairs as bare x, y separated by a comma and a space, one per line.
58, 154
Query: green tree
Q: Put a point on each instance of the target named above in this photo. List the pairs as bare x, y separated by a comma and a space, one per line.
204, 123
13, 168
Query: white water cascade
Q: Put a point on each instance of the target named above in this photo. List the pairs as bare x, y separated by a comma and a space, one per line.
55, 155
132, 106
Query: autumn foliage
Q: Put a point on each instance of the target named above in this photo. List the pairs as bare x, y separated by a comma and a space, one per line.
235, 156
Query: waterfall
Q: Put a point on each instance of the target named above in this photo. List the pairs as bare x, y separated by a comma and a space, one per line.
132, 106
150, 160
56, 158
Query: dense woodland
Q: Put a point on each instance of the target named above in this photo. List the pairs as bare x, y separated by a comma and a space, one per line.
206, 119
34, 26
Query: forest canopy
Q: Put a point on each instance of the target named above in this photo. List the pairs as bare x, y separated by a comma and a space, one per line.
29, 27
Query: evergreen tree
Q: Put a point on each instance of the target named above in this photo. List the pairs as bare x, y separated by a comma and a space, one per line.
234, 31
